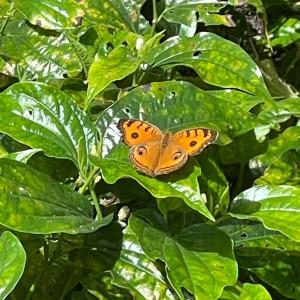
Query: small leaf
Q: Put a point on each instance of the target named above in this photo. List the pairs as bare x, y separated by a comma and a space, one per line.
254, 292
277, 207
33, 202
12, 262
22, 156
104, 70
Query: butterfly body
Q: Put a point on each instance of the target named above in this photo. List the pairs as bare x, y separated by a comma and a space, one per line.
155, 153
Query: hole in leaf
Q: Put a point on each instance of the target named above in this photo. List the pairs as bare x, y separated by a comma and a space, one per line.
197, 15
125, 43
173, 94
197, 53
244, 235
127, 110
78, 21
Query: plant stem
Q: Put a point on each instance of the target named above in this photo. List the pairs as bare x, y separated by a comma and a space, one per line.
96, 202
88, 180
154, 20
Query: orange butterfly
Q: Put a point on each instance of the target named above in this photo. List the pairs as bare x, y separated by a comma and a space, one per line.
155, 153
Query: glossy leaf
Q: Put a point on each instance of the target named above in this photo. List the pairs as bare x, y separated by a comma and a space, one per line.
218, 61
189, 255
12, 262
289, 139
277, 207
22, 156
43, 56
42, 117
51, 14
137, 273
104, 70
33, 202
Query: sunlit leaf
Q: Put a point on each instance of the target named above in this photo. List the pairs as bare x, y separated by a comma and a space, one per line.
51, 14
41, 116
277, 207
33, 202
44, 56
12, 262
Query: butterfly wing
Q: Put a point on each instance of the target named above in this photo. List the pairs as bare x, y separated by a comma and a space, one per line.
193, 141
135, 132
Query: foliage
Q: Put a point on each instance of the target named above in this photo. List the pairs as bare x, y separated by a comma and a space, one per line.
78, 221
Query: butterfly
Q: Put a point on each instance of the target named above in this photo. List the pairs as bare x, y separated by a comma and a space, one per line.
155, 153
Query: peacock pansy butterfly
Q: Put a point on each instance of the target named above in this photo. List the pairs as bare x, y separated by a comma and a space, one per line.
155, 153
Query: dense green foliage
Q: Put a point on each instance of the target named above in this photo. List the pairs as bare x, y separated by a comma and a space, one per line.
78, 221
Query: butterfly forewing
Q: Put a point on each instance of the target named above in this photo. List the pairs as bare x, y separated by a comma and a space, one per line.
135, 132
193, 141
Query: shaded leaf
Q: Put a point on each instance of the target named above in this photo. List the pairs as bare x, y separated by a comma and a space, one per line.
282, 273
199, 258
12, 262
277, 207
33, 202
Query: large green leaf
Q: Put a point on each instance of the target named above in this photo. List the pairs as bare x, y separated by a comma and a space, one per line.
43, 56
32, 202
43, 117
217, 60
12, 262
172, 106
51, 14
137, 273
254, 292
278, 207
199, 258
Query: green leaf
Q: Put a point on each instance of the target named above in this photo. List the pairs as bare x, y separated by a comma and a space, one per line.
254, 292
289, 139
199, 258
22, 156
104, 70
42, 56
282, 170
277, 207
33, 202
12, 262
117, 14
51, 14
188, 12
287, 33
137, 273
282, 273
217, 60
41, 116
161, 104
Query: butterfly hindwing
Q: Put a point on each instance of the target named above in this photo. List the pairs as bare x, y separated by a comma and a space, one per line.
135, 132
194, 140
